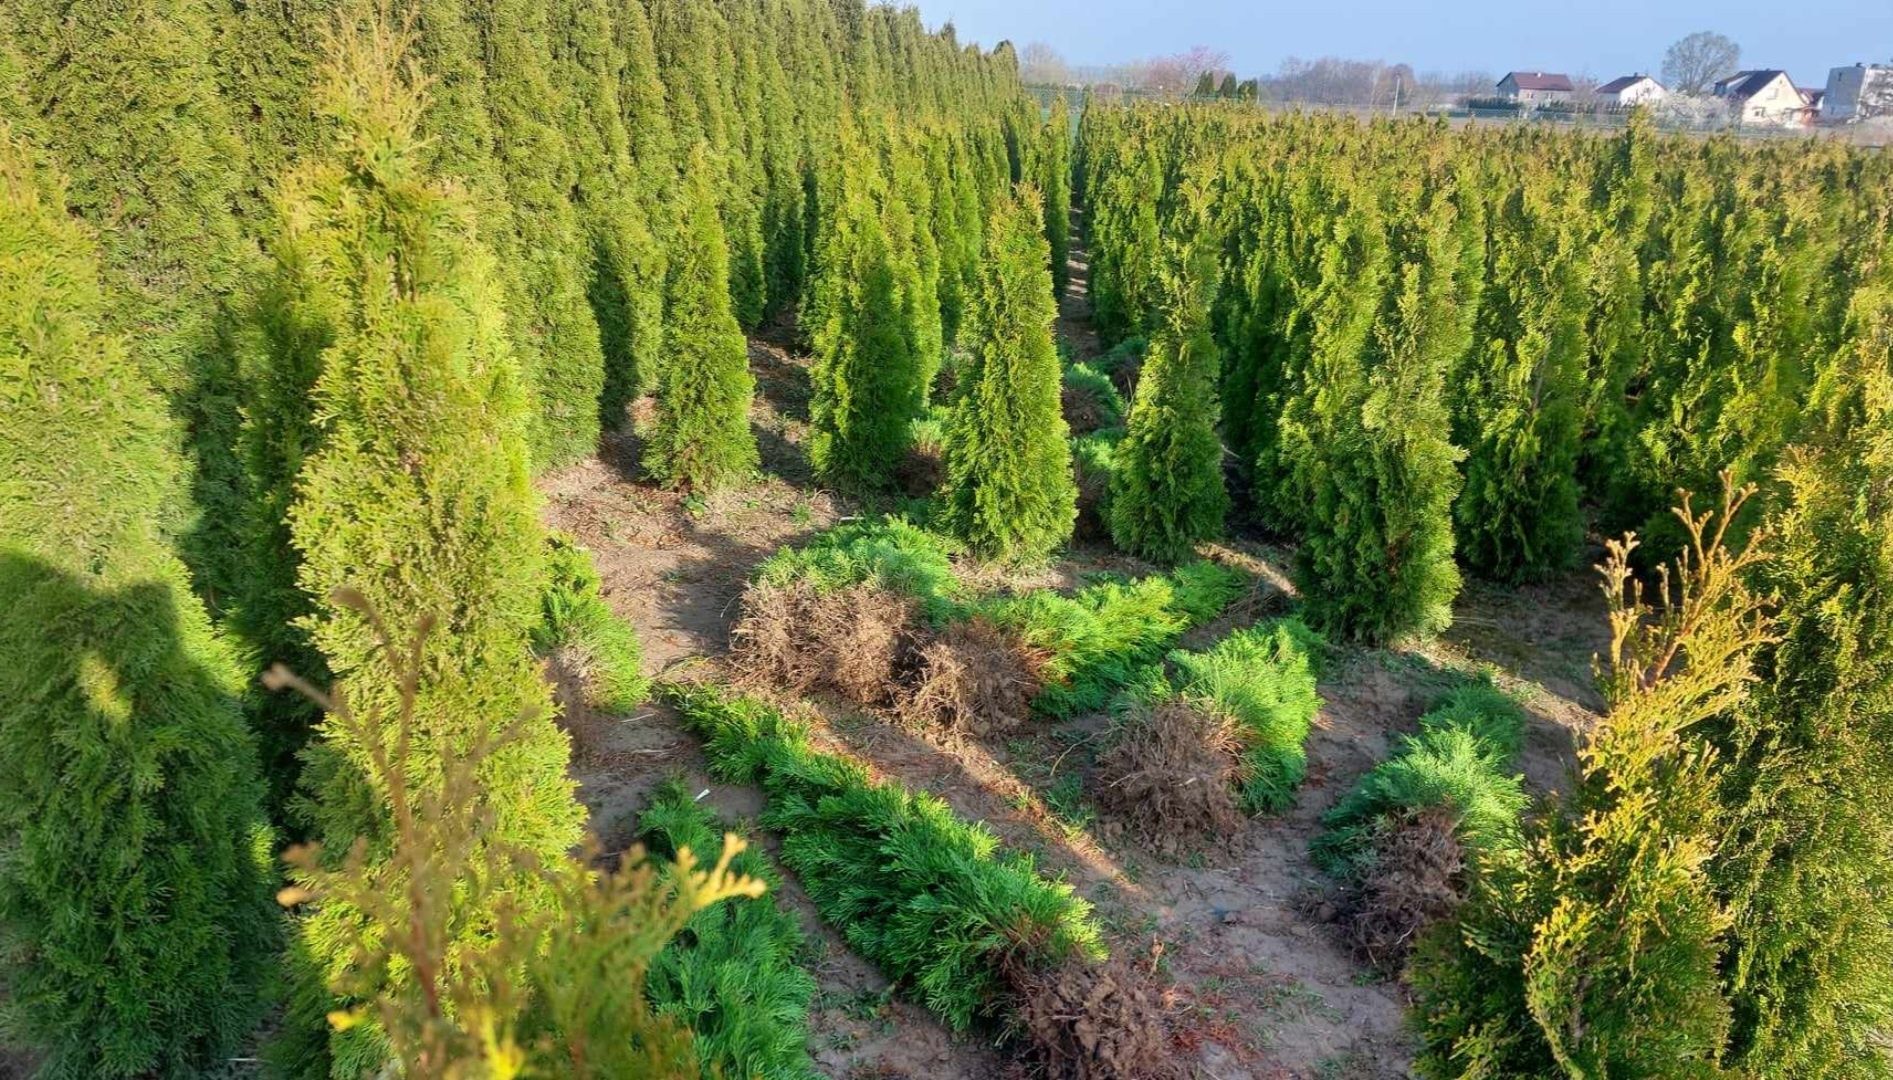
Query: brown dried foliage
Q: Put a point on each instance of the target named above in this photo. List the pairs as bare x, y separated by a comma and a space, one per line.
975, 678
853, 642
1171, 774
1418, 878
1085, 1021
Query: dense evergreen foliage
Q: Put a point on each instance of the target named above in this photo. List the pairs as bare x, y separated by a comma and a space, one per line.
1009, 490
135, 922
1263, 679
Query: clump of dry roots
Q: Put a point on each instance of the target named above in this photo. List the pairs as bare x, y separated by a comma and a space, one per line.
974, 678
1417, 877
1094, 488
1084, 412
1171, 774
1086, 1021
853, 642
921, 471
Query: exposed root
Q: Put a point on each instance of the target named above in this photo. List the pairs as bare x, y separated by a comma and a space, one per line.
854, 642
1171, 775
1085, 1021
1418, 877
975, 678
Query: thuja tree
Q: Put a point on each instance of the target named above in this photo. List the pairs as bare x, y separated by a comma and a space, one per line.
1600, 952
868, 381
700, 437
135, 921
416, 505
1054, 180
1167, 490
1009, 491
1518, 394
1808, 859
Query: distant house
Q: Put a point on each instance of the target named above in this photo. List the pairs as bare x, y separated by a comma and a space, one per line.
1860, 92
1764, 97
1535, 88
1631, 90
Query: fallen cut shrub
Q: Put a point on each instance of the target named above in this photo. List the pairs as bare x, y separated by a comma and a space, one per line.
731, 975
1094, 464
922, 468
1454, 763
590, 640
1417, 877
852, 641
974, 678
925, 896
1093, 1021
1383, 840
1098, 639
1090, 401
1263, 680
891, 553
1123, 364
1170, 773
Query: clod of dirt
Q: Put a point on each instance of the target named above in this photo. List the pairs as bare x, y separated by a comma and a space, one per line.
854, 642
1417, 878
1086, 1021
1171, 774
975, 678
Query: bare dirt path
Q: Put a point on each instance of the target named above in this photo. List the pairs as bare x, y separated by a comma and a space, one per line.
1264, 988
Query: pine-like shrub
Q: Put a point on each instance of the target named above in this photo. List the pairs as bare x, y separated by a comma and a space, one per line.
574, 620
889, 553
700, 439
928, 898
417, 504
1263, 679
1094, 471
1054, 180
1460, 761
734, 975
1090, 401
135, 924
1009, 490
1099, 639
1168, 493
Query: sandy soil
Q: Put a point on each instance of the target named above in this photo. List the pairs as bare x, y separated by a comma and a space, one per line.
1264, 988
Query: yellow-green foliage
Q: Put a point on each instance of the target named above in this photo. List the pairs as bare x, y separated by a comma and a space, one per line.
574, 620
417, 499
134, 895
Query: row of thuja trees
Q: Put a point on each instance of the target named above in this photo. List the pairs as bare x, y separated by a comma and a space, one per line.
298, 298
1418, 348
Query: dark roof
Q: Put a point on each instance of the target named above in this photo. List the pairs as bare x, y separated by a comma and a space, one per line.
1618, 85
1538, 80
1746, 84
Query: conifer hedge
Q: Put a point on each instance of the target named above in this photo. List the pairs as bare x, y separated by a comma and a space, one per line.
135, 903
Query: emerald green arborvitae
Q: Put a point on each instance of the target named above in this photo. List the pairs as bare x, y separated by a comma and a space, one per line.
1808, 863
135, 910
1167, 491
1009, 491
125, 100
1055, 181
700, 438
417, 500
868, 382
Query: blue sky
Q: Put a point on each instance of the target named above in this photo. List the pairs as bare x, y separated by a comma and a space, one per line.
1602, 37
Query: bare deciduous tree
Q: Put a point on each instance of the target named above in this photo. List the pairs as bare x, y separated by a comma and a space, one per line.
1693, 64
1042, 65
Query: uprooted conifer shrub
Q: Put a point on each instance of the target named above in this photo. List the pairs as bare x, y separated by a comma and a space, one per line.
1170, 773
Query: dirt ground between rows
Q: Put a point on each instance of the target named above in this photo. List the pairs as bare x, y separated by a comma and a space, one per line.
1263, 986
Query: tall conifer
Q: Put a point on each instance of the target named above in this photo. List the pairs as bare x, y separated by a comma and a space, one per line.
1009, 491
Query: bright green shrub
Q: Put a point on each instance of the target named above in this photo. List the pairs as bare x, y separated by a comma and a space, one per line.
1009, 491
135, 917
701, 438
1263, 679
1461, 759
416, 505
1100, 638
1054, 180
1168, 490
891, 553
574, 617
733, 975
1094, 470
925, 896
